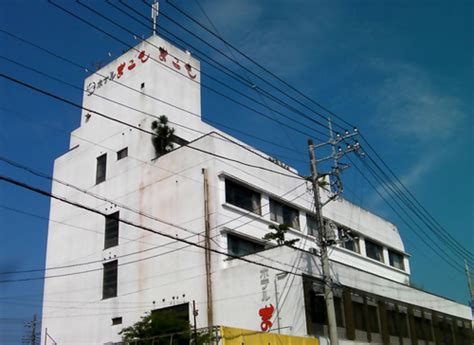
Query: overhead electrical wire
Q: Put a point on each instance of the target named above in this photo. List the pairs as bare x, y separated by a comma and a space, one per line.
130, 223
206, 58
448, 233
49, 94
174, 70
445, 233
437, 252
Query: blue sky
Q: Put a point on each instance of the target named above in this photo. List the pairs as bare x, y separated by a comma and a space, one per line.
401, 71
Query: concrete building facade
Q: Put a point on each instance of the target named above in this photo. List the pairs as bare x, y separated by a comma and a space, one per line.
215, 182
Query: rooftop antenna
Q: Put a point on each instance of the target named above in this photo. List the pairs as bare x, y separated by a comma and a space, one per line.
155, 7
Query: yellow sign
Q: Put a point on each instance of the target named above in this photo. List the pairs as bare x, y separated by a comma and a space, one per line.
237, 336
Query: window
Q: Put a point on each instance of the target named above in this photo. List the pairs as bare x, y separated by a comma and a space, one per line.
284, 214
243, 197
373, 319
111, 238
122, 153
109, 285
348, 240
116, 321
312, 225
360, 322
374, 251
101, 168
396, 260
238, 246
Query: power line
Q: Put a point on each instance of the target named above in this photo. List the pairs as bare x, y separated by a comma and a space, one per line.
394, 190
257, 64
447, 236
171, 69
130, 223
403, 219
227, 71
47, 93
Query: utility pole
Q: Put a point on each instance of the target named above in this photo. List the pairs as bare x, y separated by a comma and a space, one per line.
207, 253
195, 313
31, 338
469, 284
328, 294
325, 236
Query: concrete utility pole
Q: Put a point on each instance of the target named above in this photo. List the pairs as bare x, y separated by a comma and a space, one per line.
328, 294
469, 284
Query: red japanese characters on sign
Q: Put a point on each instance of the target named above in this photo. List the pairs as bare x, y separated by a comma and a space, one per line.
265, 313
142, 57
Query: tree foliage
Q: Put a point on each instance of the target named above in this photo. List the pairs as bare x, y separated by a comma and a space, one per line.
278, 234
168, 328
162, 141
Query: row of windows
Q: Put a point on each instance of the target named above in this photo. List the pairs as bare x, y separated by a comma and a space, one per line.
250, 200
101, 167
380, 316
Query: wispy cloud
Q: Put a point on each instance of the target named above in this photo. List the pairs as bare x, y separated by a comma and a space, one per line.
408, 105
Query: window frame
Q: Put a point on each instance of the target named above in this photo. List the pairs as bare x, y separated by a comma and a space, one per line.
242, 239
101, 169
278, 205
110, 277
120, 153
391, 254
111, 236
232, 188
374, 245
344, 244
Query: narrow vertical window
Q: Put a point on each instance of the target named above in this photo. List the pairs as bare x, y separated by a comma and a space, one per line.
122, 153
109, 286
101, 168
111, 237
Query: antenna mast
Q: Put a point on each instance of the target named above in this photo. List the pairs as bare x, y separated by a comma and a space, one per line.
155, 7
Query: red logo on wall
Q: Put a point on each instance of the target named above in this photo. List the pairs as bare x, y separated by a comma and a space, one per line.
142, 57
266, 314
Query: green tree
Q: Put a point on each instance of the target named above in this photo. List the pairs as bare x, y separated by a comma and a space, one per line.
279, 235
168, 328
163, 140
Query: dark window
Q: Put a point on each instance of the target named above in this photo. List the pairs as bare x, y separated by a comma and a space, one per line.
239, 247
403, 324
116, 321
111, 238
373, 319
101, 168
109, 287
360, 322
348, 240
243, 197
284, 214
397, 323
122, 153
396, 260
374, 251
169, 320
312, 225
339, 311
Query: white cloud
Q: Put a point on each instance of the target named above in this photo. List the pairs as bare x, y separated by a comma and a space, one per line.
408, 105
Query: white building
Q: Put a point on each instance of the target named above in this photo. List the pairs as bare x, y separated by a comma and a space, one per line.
133, 271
